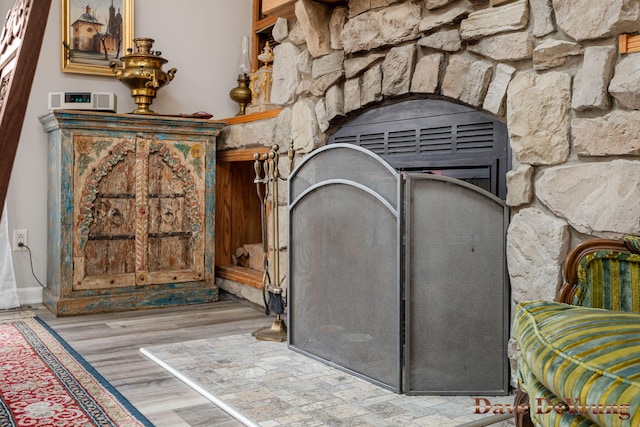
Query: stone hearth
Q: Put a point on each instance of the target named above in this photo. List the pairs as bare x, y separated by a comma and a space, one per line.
265, 384
569, 99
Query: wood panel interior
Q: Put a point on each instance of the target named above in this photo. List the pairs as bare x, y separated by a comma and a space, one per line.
238, 218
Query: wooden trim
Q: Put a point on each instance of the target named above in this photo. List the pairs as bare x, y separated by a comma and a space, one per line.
622, 43
570, 273
521, 400
241, 155
259, 25
279, 8
269, 114
24, 31
245, 276
259, 21
628, 43
262, 24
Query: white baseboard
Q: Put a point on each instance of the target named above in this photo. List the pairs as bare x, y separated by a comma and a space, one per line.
31, 295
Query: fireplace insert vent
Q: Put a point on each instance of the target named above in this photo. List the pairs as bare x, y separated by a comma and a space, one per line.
399, 142
431, 134
374, 142
475, 136
347, 139
435, 140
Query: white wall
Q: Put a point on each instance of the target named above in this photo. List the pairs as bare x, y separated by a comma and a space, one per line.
201, 38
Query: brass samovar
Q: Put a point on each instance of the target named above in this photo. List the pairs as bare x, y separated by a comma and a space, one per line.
142, 73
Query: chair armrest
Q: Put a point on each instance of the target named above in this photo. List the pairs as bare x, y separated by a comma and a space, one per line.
571, 280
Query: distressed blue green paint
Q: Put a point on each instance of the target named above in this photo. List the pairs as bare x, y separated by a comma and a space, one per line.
61, 126
183, 148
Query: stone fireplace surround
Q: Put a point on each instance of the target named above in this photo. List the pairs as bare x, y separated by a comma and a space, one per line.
570, 101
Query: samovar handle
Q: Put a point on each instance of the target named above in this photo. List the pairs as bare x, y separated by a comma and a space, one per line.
115, 66
171, 73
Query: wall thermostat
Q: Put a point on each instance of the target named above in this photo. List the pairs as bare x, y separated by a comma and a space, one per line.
96, 101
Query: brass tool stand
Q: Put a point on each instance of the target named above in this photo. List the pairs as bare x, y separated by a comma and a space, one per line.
269, 163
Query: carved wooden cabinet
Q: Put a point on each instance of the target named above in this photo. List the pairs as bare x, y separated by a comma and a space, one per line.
131, 211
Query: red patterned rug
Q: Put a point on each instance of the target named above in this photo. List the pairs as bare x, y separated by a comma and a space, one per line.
44, 382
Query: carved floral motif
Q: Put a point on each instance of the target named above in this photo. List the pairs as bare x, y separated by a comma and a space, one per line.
192, 204
90, 191
14, 24
196, 151
116, 155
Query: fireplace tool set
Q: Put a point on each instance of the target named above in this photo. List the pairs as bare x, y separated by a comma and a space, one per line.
266, 180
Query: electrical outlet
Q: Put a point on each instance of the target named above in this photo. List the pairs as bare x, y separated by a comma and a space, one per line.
20, 237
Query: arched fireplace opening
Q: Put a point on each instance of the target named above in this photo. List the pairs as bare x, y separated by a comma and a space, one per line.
435, 136
397, 275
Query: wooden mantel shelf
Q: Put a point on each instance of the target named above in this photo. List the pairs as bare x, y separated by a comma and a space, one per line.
269, 114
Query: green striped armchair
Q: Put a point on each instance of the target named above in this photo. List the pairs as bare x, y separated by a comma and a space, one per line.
579, 361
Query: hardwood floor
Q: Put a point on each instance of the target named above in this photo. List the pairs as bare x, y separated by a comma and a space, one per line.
111, 344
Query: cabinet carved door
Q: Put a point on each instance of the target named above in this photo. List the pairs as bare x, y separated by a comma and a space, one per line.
140, 211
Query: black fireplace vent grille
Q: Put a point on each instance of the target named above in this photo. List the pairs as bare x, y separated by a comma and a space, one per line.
375, 142
477, 137
428, 135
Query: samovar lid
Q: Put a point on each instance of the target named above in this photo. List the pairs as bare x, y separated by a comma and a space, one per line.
143, 47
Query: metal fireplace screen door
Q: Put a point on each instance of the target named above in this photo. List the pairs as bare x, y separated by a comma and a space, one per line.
456, 309
431, 320
344, 262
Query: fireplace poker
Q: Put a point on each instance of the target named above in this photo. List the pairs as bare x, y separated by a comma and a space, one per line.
278, 330
260, 182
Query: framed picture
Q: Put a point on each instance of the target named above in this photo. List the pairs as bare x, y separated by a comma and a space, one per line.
95, 33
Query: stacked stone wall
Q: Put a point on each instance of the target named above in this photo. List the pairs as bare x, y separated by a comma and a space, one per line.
550, 69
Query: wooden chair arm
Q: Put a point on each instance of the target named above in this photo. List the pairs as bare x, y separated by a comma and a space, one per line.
570, 272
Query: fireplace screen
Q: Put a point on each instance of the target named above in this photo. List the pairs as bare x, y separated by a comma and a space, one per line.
397, 278
344, 266
456, 286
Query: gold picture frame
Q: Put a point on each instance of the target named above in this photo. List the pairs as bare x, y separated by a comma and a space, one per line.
91, 29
